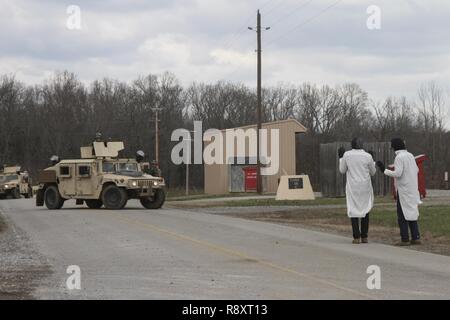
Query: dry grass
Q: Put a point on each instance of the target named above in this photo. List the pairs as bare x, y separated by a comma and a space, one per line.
434, 224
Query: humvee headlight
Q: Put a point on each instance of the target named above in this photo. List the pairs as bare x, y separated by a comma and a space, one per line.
134, 184
6, 186
155, 183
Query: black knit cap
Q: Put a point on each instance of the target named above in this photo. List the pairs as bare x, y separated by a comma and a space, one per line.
398, 144
357, 143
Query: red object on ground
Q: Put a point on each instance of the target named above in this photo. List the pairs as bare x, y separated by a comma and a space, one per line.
250, 174
421, 177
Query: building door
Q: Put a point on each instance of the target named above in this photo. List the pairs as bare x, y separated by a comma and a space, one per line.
236, 180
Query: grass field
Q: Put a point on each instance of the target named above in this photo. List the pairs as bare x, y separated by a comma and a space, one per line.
330, 215
433, 219
179, 195
434, 223
265, 202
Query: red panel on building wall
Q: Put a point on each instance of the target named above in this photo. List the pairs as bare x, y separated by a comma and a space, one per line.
250, 178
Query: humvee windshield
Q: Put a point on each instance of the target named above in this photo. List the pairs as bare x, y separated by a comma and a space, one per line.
8, 178
123, 168
127, 167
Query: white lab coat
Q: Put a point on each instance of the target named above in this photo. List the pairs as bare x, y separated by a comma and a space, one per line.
359, 167
406, 181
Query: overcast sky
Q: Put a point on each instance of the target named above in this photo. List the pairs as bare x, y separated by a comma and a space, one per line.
318, 41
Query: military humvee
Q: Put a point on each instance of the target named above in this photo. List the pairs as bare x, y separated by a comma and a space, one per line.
14, 182
99, 179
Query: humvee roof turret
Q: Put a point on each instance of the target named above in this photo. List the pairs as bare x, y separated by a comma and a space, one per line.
99, 178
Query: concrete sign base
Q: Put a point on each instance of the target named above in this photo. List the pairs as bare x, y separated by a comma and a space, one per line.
295, 188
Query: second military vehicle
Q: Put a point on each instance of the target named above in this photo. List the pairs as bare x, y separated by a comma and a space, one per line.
99, 178
14, 182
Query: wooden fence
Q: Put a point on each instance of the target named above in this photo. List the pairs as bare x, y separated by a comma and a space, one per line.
333, 182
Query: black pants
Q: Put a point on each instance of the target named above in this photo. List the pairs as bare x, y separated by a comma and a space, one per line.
405, 224
364, 227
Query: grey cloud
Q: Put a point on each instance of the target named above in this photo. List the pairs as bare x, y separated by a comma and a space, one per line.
118, 40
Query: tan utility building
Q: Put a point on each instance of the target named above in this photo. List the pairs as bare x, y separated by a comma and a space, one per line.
241, 177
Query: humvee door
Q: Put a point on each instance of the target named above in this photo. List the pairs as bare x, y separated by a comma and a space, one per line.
86, 183
66, 176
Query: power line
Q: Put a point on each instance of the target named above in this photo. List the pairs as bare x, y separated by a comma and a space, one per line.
241, 30
274, 8
238, 34
265, 4
235, 70
284, 17
304, 22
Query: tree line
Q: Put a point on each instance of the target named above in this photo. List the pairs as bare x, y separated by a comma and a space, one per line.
62, 113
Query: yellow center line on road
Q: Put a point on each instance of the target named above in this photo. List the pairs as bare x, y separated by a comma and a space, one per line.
239, 254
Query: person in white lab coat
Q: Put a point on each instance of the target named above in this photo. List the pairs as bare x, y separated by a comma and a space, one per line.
359, 166
405, 174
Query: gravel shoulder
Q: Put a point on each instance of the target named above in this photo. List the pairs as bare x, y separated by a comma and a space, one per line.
21, 267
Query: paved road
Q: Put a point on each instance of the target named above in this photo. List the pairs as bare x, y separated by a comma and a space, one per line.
177, 254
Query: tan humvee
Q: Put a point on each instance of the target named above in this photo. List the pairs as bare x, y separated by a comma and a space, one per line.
14, 183
99, 179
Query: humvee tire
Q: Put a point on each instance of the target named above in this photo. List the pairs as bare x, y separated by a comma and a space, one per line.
52, 198
94, 203
154, 202
15, 193
114, 197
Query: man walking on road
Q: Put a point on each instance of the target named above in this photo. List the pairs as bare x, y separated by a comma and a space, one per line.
406, 181
358, 166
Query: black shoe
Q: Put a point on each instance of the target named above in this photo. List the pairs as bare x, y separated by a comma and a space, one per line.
415, 242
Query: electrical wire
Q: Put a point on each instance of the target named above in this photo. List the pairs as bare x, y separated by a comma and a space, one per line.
274, 8
241, 30
303, 23
284, 17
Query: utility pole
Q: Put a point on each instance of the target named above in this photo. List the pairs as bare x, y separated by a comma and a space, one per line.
187, 179
156, 110
187, 163
259, 101
258, 116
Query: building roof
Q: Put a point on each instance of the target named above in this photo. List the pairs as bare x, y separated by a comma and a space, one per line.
298, 125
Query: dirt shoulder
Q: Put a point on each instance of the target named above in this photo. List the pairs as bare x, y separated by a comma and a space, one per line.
21, 267
434, 222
